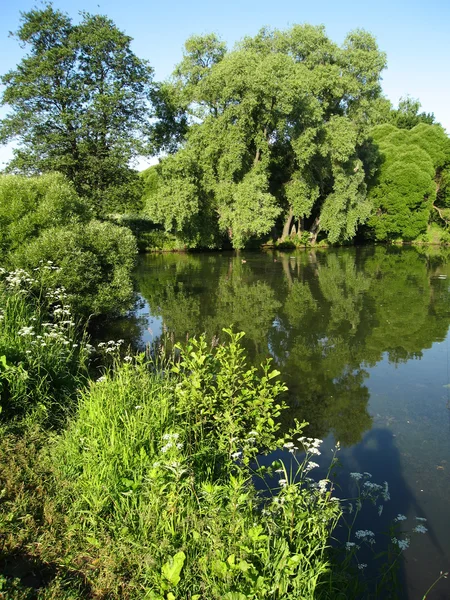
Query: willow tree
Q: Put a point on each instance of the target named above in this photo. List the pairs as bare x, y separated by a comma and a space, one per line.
268, 133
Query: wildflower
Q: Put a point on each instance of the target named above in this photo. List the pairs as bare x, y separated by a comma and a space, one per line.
314, 451
349, 545
362, 566
288, 445
356, 476
364, 534
283, 482
128, 358
23, 331
310, 465
252, 432
400, 517
292, 450
420, 529
323, 485
380, 510
402, 544
236, 455
421, 519
167, 447
385, 493
102, 378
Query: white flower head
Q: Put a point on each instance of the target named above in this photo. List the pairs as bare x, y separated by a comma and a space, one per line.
400, 517
420, 529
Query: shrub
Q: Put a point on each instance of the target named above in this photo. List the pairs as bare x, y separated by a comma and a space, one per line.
30, 205
95, 261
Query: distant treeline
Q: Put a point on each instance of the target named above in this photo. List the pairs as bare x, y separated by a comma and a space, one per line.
286, 138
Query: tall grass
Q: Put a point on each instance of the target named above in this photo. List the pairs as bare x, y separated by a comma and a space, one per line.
161, 468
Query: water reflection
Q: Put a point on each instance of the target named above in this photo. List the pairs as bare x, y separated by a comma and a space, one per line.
324, 316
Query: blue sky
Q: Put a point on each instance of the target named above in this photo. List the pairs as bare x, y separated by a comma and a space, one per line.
414, 34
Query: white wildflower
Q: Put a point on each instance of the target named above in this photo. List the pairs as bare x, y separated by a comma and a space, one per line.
362, 566
364, 534
323, 485
420, 529
350, 545
400, 517
402, 544
356, 476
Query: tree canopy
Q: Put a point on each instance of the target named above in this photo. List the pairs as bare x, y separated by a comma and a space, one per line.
406, 182
270, 130
78, 105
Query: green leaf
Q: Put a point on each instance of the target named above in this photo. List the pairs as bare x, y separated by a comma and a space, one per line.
171, 570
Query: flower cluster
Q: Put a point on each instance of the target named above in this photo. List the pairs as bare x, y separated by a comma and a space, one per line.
110, 347
171, 442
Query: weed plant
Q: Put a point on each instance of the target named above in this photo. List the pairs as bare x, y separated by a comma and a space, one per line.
159, 467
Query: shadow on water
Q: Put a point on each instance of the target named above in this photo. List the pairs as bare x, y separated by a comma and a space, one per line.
378, 455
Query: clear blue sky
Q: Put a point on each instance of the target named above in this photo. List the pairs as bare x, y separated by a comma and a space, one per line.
415, 34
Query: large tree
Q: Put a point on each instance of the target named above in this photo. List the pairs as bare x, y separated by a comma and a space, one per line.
272, 130
78, 105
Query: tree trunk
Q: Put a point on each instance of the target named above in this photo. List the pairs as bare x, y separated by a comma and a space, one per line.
287, 225
314, 231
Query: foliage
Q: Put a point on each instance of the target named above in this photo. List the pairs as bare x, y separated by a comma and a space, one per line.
30, 205
79, 105
95, 261
160, 466
273, 127
43, 359
407, 115
405, 189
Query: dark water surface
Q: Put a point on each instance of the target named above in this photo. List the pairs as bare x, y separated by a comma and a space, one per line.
361, 339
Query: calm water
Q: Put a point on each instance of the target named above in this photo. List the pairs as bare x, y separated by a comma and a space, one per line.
361, 338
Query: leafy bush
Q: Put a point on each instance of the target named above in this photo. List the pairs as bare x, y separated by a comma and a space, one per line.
95, 261
406, 189
30, 205
159, 468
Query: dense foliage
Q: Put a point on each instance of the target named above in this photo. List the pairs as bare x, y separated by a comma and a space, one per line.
405, 190
44, 222
275, 130
78, 105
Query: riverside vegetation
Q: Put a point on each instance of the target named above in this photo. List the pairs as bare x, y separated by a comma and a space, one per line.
143, 482
137, 476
